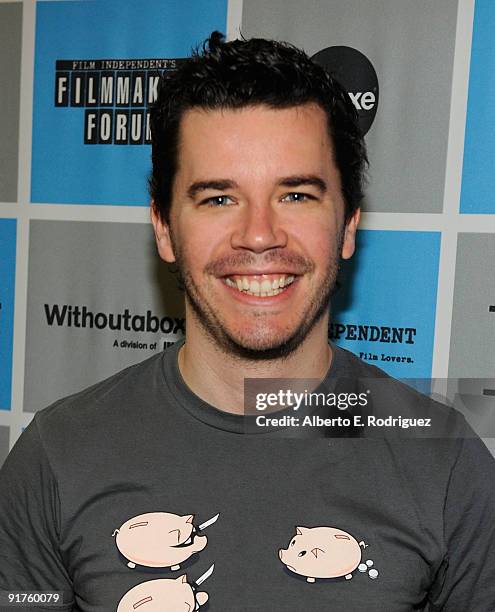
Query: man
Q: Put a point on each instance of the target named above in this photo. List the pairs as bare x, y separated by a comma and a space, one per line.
125, 495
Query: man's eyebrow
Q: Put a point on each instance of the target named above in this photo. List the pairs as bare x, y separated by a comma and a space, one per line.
305, 179
288, 181
216, 184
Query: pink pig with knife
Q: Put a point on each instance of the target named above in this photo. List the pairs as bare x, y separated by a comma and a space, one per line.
166, 595
161, 539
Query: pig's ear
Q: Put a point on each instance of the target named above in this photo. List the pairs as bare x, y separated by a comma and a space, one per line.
182, 578
301, 530
317, 551
189, 518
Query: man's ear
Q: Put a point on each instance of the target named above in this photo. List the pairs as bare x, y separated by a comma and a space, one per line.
349, 243
162, 236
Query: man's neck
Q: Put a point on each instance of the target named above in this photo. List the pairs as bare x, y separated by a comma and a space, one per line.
217, 377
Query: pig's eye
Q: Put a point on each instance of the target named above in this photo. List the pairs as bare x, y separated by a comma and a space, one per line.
302, 553
293, 542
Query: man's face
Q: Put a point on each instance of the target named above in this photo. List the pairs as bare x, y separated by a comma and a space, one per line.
256, 226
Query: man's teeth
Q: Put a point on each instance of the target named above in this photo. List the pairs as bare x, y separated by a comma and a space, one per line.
265, 288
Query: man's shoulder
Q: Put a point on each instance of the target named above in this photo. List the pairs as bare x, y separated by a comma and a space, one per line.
110, 398
403, 397
418, 432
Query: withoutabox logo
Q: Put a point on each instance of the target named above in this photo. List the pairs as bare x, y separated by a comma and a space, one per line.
115, 95
354, 71
81, 316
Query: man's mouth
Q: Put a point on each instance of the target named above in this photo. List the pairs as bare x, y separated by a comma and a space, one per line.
260, 285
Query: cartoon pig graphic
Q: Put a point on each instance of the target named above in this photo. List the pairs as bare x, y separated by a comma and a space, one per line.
160, 539
324, 552
163, 595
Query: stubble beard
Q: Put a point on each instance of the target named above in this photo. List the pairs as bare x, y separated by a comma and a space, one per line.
256, 348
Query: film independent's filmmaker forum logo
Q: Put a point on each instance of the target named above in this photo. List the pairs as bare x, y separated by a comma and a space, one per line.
113, 96
356, 74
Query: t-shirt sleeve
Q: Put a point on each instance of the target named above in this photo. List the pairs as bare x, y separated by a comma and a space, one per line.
30, 523
466, 578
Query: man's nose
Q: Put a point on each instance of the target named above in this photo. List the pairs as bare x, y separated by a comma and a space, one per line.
259, 229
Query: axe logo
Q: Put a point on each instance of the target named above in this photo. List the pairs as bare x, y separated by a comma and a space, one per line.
356, 74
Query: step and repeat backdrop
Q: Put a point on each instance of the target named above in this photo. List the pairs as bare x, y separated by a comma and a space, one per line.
82, 291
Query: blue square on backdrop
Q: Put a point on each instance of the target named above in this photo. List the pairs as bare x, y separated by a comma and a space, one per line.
384, 312
479, 145
89, 119
7, 289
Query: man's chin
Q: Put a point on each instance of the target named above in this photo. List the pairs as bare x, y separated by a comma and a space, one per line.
262, 347
261, 353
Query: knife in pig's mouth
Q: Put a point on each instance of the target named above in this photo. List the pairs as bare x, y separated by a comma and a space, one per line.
204, 576
208, 522
196, 531
201, 579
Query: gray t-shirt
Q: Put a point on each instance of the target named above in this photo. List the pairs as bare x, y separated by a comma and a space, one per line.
107, 491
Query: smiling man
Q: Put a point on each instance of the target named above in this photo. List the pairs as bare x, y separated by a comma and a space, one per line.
256, 185
258, 225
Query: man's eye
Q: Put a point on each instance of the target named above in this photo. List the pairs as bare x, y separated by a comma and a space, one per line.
297, 197
217, 201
